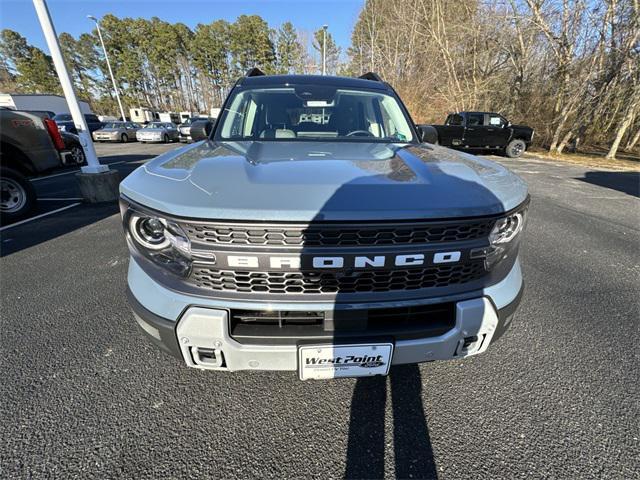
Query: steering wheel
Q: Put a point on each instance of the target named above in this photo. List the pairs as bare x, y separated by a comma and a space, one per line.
360, 133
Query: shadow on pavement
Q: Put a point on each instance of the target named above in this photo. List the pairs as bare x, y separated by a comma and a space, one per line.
411, 443
625, 182
47, 228
42, 230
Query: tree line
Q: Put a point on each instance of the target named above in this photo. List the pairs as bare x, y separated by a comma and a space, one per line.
568, 68
162, 65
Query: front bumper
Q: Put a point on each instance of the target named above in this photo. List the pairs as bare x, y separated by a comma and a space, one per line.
150, 139
106, 138
198, 329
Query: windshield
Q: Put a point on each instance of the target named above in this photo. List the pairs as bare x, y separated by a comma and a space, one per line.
189, 121
62, 117
154, 125
113, 125
306, 112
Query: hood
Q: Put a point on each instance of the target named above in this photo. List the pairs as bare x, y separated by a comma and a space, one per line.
304, 181
109, 130
151, 130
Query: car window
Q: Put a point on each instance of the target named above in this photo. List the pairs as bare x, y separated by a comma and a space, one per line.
305, 112
92, 118
63, 117
454, 120
475, 119
496, 120
153, 125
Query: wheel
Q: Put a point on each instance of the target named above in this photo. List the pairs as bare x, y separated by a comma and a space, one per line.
77, 153
515, 148
165, 139
17, 196
124, 138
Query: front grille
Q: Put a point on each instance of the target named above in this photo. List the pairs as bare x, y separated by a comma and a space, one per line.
334, 282
421, 321
334, 235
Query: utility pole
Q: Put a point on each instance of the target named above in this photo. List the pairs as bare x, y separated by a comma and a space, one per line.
113, 80
93, 164
97, 183
324, 49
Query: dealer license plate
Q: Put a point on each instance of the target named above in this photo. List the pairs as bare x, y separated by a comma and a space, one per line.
337, 361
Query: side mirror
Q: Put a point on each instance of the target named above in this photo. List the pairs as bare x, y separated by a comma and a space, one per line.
428, 134
200, 130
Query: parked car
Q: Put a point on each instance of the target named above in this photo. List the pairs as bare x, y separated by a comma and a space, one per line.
73, 153
184, 129
158, 132
65, 122
30, 145
483, 131
116, 132
311, 229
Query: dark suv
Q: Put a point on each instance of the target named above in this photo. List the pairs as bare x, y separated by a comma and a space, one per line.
483, 131
65, 122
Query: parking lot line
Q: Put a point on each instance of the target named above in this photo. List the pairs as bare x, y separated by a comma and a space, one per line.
40, 216
71, 171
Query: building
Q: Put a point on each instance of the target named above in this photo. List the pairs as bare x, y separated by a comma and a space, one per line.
39, 102
143, 115
170, 117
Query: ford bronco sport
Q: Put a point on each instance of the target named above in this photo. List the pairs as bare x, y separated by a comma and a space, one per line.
310, 229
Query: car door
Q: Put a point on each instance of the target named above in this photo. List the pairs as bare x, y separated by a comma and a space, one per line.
475, 131
451, 133
131, 130
498, 133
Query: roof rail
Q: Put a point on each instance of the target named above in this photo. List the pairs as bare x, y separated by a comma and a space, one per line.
371, 76
255, 72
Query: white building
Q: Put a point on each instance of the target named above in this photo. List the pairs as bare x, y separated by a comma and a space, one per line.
170, 117
40, 102
143, 115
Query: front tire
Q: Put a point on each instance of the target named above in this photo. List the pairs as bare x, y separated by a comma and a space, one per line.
17, 195
124, 138
165, 139
515, 148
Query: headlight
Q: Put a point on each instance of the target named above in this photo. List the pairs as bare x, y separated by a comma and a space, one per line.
149, 232
503, 239
506, 229
158, 239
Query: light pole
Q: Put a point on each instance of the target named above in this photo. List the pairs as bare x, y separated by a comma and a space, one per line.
93, 164
324, 49
113, 80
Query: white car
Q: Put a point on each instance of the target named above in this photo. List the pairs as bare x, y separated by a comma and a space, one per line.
163, 132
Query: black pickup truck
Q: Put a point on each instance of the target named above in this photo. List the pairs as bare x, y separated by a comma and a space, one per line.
482, 131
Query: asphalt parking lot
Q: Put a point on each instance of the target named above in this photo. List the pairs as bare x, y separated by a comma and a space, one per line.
85, 396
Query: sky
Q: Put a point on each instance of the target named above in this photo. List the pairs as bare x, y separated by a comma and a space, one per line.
71, 15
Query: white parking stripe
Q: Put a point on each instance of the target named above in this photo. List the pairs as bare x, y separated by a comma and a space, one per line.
71, 171
40, 216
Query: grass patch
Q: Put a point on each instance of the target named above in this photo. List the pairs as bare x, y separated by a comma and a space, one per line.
595, 157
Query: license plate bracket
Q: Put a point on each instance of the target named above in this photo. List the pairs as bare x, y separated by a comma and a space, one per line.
344, 360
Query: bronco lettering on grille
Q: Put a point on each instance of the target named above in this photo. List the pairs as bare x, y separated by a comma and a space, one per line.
337, 262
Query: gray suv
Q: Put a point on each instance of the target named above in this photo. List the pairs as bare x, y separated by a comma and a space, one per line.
311, 229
